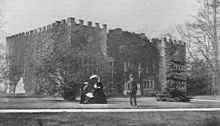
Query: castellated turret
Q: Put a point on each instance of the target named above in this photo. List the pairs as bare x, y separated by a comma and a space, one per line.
33, 46
172, 55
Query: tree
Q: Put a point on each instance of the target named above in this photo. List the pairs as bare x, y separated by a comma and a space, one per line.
66, 67
4, 73
3, 64
199, 78
201, 36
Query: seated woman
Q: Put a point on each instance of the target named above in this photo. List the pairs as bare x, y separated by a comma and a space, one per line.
84, 90
89, 98
98, 92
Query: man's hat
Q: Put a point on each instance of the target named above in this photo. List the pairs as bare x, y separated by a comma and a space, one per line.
93, 76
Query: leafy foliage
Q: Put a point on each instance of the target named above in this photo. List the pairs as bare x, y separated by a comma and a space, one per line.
200, 79
65, 69
201, 36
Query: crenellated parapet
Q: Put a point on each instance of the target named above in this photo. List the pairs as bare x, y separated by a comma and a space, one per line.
65, 22
170, 50
140, 36
173, 42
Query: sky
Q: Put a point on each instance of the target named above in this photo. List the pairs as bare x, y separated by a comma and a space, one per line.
151, 17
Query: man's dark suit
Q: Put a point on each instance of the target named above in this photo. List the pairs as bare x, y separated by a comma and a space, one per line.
132, 90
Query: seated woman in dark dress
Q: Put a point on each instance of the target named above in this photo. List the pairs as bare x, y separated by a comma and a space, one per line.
98, 92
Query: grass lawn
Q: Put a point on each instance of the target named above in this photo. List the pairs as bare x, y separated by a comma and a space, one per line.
143, 103
113, 119
208, 97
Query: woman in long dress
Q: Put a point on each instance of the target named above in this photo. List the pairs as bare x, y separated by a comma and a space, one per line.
84, 90
98, 92
89, 98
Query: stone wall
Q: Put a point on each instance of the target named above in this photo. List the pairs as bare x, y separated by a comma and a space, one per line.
27, 50
126, 53
133, 53
174, 51
126, 47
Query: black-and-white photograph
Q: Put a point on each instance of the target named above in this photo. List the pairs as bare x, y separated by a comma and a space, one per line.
109, 63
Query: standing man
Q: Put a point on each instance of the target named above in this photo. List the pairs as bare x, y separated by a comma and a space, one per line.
132, 89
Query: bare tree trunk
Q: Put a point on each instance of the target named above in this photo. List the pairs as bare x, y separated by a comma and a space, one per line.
215, 37
213, 84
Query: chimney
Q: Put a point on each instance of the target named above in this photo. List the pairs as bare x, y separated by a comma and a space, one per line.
48, 27
89, 23
35, 30
44, 28
81, 22
63, 22
39, 29
27, 33
19, 35
142, 35
53, 25
105, 26
31, 32
97, 25
71, 20
58, 22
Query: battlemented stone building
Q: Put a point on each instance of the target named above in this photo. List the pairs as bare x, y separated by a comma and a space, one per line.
157, 63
